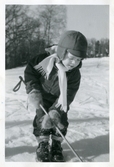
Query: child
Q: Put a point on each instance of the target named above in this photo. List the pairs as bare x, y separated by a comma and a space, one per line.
52, 81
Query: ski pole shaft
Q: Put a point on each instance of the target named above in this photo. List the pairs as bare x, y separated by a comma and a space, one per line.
62, 135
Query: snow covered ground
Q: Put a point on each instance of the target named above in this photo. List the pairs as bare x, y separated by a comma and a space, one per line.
88, 131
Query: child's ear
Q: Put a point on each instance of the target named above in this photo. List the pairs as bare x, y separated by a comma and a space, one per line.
48, 50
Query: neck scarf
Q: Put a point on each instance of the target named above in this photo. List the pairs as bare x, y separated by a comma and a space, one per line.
45, 67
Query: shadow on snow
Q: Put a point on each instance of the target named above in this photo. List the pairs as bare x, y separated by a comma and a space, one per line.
90, 147
19, 150
85, 148
88, 119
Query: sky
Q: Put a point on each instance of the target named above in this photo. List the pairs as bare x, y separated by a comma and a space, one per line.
91, 20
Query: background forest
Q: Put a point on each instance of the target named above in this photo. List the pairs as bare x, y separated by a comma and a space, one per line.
30, 29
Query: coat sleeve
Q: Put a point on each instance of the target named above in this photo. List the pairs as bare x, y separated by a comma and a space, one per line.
31, 76
72, 88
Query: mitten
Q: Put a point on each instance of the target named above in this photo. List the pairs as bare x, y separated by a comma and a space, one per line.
56, 118
46, 123
34, 100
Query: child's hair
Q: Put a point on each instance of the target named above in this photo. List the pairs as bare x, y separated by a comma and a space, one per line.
51, 49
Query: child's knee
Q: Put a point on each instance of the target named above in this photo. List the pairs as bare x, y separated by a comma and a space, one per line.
42, 125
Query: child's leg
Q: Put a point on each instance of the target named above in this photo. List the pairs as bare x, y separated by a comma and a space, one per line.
41, 131
62, 123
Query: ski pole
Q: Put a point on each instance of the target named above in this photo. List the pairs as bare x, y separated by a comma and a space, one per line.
62, 135
17, 87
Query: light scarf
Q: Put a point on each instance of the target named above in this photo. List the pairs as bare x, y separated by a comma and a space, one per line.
45, 67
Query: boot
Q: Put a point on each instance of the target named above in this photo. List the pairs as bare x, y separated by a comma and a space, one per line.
42, 152
56, 152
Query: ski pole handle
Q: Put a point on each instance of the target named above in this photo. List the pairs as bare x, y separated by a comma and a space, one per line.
17, 87
62, 136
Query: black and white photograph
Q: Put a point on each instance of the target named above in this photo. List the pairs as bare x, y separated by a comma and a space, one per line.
57, 68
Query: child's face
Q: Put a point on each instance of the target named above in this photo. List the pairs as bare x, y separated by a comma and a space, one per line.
70, 61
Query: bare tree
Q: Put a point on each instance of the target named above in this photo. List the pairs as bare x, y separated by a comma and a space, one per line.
27, 34
15, 20
20, 31
53, 21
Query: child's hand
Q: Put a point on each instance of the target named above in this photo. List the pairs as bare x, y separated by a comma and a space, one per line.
56, 118
61, 104
62, 108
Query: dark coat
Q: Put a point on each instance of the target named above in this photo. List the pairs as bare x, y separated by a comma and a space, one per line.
50, 88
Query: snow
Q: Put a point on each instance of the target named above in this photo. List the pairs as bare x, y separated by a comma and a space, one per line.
88, 131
